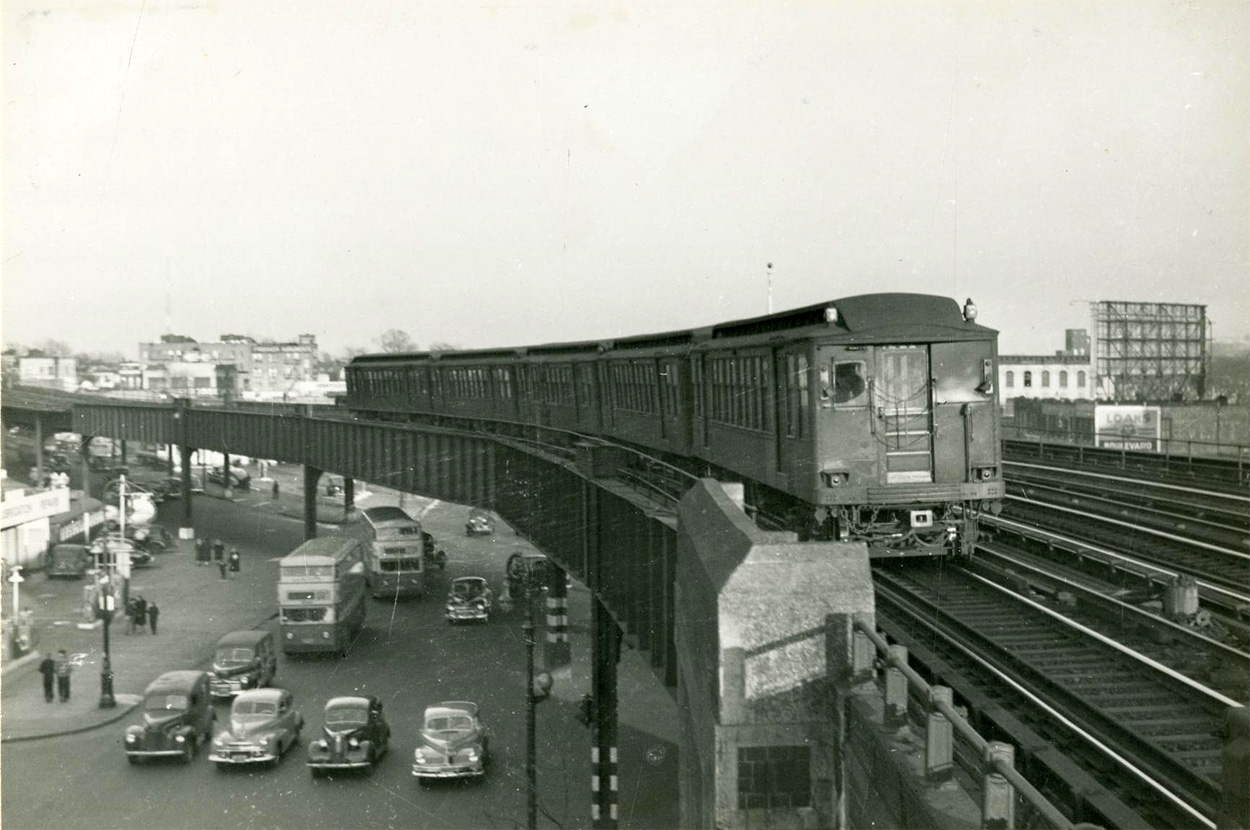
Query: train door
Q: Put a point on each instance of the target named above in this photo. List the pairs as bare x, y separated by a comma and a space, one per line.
782, 384
963, 411
663, 398
903, 408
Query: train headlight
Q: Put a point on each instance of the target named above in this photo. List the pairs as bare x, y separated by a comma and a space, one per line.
986, 473
835, 478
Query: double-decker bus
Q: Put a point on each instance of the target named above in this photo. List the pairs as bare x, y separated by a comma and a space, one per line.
395, 551
321, 595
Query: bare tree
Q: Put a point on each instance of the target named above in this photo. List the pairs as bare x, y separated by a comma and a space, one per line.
396, 340
443, 346
55, 348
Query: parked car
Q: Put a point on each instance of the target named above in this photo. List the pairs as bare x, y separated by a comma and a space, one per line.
168, 488
454, 742
177, 715
479, 524
263, 726
355, 735
239, 478
470, 598
107, 549
69, 561
243, 660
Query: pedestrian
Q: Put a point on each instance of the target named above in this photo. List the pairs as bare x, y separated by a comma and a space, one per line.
141, 614
63, 669
234, 560
131, 612
154, 611
275, 489
219, 550
221, 565
201, 551
47, 667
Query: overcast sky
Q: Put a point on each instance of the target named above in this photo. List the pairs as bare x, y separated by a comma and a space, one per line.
522, 172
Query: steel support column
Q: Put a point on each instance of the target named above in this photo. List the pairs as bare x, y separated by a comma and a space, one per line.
225, 473
311, 476
349, 496
558, 652
187, 530
84, 457
123, 452
605, 651
39, 452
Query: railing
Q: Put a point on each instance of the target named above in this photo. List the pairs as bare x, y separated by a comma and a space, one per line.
1000, 781
1168, 446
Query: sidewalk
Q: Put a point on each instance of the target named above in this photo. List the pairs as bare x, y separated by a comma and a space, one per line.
187, 635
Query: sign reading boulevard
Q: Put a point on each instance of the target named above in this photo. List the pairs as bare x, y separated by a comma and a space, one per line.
1122, 427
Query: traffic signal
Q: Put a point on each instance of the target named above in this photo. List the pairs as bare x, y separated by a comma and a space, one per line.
586, 710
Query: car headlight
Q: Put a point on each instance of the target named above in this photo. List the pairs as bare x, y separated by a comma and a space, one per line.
322, 745
221, 740
353, 743
131, 738
325, 635
245, 681
471, 755
420, 756
182, 739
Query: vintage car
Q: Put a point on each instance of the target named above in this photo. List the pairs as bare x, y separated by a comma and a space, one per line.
243, 660
355, 735
263, 726
69, 561
239, 477
479, 524
433, 555
177, 715
469, 599
105, 550
453, 744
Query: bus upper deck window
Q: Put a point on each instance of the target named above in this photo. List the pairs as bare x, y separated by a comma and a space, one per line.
849, 387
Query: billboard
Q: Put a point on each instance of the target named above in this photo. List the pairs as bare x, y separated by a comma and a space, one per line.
1122, 427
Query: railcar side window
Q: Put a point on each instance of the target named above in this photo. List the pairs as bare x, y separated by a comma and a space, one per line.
849, 387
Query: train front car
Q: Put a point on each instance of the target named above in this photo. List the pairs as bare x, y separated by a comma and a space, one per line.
908, 449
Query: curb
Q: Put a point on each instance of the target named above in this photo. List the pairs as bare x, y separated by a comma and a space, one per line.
122, 711
14, 666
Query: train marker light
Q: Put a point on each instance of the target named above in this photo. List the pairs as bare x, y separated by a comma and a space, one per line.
970, 310
831, 315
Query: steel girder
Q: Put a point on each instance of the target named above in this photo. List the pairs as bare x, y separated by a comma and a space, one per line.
606, 536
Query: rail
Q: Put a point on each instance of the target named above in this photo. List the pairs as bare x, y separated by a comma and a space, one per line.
999, 777
1237, 454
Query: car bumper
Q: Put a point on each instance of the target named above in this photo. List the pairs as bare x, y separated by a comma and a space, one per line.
155, 753
343, 764
457, 616
241, 757
448, 770
226, 688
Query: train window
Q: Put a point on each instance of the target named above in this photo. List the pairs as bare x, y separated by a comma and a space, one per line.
1011, 379
826, 394
1080, 379
1028, 379
1063, 380
849, 387
1045, 379
697, 382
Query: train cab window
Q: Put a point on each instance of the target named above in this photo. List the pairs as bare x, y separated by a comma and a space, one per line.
849, 387
1028, 379
1011, 380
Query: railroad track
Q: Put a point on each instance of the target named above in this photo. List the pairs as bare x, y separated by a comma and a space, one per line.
1151, 733
1230, 475
1214, 563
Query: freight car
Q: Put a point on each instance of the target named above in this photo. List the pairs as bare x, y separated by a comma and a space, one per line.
870, 418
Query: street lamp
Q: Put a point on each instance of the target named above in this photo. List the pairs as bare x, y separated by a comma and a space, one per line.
104, 610
537, 690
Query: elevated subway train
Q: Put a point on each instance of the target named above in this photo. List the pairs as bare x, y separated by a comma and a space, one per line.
873, 417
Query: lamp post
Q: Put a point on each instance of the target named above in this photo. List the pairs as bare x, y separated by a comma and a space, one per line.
536, 690
104, 609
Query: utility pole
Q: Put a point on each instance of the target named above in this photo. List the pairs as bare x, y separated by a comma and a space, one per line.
770, 288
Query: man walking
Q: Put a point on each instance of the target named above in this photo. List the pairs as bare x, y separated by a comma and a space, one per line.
47, 667
219, 551
201, 551
63, 670
153, 612
275, 489
235, 560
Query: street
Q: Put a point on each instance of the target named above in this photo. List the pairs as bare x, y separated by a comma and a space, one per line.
407, 655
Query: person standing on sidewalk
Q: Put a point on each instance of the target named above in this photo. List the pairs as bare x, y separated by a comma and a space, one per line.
63, 669
235, 560
219, 551
201, 551
47, 667
141, 614
154, 611
131, 608
275, 489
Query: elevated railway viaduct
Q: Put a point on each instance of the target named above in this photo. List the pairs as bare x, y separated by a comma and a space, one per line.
769, 692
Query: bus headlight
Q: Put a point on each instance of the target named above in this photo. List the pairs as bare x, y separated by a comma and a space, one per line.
325, 635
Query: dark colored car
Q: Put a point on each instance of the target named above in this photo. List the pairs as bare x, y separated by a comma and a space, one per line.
454, 742
355, 735
178, 715
479, 524
168, 488
469, 599
106, 548
243, 660
263, 726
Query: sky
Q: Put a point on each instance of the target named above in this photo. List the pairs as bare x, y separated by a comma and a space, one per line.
508, 173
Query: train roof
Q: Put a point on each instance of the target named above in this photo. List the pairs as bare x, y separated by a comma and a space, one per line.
861, 318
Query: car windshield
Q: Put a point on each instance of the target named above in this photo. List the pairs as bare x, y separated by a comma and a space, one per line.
166, 703
233, 655
453, 724
467, 590
254, 708
346, 716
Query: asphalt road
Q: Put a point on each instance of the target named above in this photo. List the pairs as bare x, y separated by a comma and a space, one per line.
408, 656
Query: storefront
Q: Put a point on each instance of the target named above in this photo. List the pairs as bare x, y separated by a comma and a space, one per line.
25, 527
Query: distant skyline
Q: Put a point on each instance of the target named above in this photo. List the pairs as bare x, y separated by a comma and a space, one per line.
521, 173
